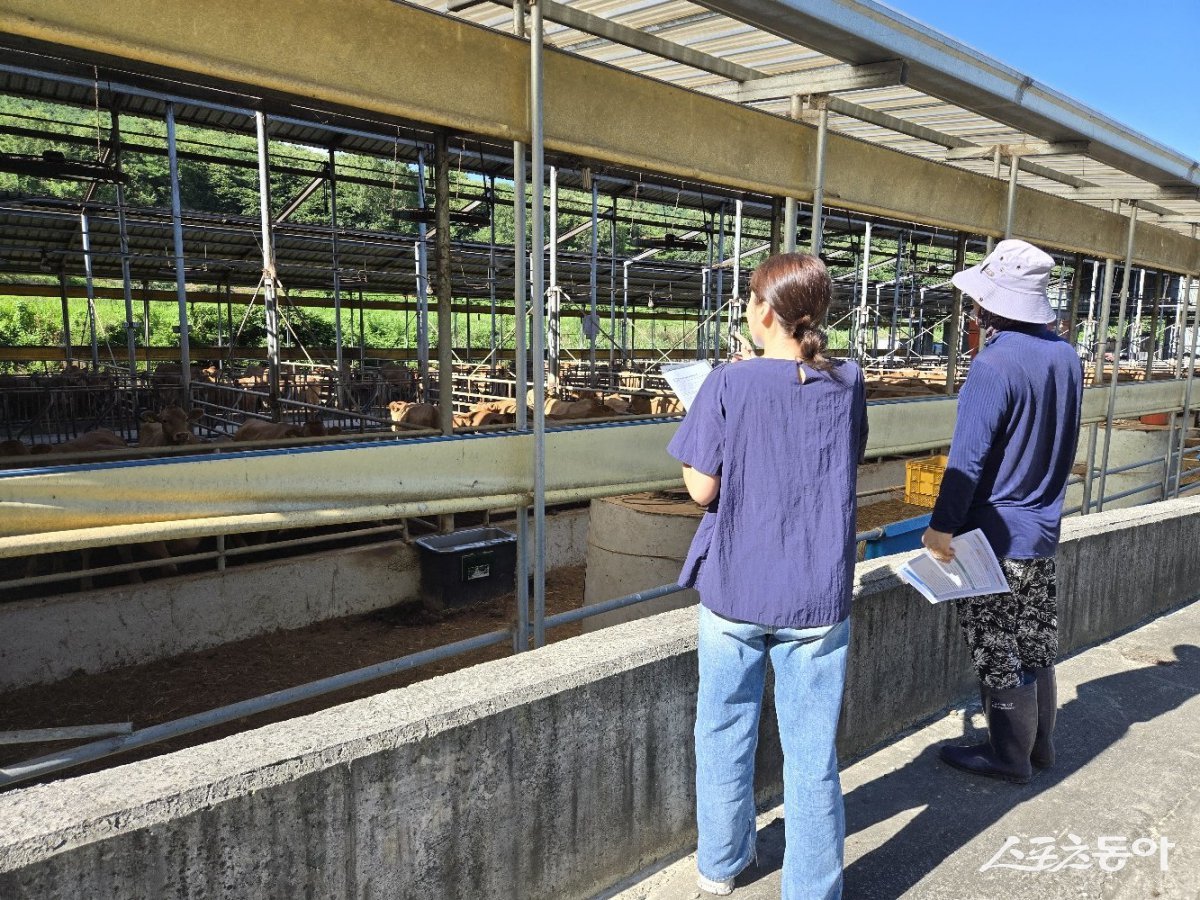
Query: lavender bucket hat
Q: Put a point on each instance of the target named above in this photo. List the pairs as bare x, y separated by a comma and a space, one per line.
1012, 282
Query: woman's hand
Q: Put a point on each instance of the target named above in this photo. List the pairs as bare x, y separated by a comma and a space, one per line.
745, 349
938, 544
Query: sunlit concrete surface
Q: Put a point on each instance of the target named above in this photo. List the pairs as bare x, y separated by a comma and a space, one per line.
1128, 770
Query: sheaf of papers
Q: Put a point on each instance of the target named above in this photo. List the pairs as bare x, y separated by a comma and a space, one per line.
685, 379
973, 572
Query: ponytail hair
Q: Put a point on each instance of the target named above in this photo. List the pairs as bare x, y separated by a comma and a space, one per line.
798, 289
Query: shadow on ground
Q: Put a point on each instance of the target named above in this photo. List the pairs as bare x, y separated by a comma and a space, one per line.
954, 808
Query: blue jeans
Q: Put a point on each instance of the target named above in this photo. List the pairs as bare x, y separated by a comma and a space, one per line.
810, 671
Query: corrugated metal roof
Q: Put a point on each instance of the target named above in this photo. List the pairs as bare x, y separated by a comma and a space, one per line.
698, 28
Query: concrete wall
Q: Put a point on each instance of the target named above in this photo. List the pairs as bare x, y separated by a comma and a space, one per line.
45, 640
551, 774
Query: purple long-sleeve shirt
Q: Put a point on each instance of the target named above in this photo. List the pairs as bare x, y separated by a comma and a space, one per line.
1014, 444
777, 545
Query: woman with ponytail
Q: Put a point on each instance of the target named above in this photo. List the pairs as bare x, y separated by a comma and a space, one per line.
771, 446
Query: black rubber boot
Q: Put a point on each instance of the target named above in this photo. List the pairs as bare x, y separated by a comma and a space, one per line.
1012, 725
1047, 710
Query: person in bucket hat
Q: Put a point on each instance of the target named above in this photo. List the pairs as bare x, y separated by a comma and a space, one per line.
1012, 452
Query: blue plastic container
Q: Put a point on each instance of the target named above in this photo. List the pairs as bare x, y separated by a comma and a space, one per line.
898, 537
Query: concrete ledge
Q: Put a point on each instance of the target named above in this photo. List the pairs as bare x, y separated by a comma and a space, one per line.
552, 774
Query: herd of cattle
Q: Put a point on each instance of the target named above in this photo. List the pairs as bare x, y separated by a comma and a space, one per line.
583, 406
74, 394
243, 392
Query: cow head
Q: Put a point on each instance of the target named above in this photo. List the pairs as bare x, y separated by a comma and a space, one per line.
176, 424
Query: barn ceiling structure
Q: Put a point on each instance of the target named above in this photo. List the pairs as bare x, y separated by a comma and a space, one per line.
772, 108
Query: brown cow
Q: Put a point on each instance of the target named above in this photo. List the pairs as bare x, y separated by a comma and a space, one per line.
479, 417
13, 448
616, 403
170, 427
420, 415
588, 408
93, 442
504, 407
258, 430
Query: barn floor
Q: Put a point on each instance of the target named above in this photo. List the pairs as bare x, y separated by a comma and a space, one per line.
194, 682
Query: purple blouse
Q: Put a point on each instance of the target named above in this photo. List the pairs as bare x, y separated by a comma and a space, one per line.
777, 546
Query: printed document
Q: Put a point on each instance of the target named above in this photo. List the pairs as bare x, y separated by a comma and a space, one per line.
685, 379
973, 572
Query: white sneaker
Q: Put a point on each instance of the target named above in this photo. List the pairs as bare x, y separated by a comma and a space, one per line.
720, 888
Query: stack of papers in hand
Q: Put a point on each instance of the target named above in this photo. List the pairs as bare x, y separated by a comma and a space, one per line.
685, 379
973, 572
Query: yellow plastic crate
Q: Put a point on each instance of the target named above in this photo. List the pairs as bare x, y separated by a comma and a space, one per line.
923, 480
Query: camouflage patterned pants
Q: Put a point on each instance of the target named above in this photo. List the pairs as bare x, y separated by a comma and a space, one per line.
1010, 632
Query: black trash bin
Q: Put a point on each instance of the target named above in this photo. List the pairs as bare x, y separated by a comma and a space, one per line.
467, 567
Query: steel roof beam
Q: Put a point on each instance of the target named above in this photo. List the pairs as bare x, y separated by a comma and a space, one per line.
1135, 192
561, 14
1040, 148
826, 80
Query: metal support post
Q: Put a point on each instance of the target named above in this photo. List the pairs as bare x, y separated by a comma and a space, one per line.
553, 297
270, 280
185, 358
90, 287
538, 295
1135, 329
68, 352
1186, 424
1159, 281
789, 203
860, 347
991, 241
521, 359
445, 320
421, 260
720, 286
1181, 306
953, 334
818, 211
1126, 277
123, 237
1183, 291
1106, 291
1089, 329
1010, 211
894, 333
339, 363
776, 239
595, 262
1076, 293
626, 349
614, 382
735, 297
494, 339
